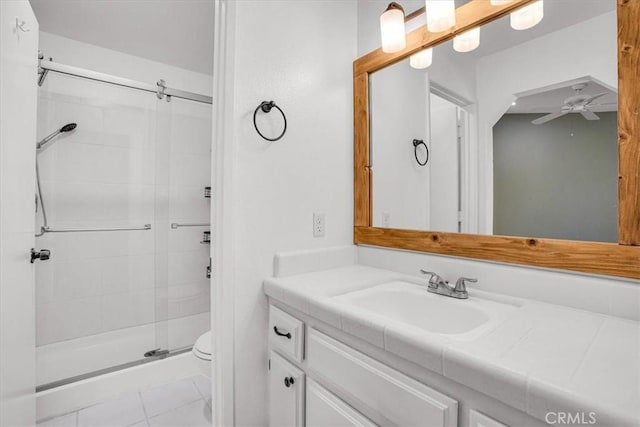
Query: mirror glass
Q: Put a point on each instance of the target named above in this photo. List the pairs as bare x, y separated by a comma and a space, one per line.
517, 137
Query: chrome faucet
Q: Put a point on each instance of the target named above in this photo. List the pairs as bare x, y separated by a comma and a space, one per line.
438, 285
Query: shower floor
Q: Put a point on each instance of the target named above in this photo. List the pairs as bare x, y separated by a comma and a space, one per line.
67, 359
184, 403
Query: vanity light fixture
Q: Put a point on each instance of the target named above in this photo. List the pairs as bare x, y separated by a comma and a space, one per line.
392, 30
422, 59
441, 15
528, 16
467, 41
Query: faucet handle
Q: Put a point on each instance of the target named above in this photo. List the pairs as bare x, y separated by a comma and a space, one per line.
461, 283
431, 273
435, 280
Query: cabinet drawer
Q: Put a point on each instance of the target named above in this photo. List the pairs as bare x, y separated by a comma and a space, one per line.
326, 409
286, 333
393, 397
286, 393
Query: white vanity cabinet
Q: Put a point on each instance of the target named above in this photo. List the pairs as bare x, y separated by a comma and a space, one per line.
344, 387
325, 409
286, 393
477, 419
384, 391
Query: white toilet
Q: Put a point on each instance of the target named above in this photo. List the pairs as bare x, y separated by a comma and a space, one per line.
202, 351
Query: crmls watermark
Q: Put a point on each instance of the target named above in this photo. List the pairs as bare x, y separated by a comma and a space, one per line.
570, 418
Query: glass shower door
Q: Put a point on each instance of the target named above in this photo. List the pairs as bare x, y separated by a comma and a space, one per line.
96, 296
127, 222
183, 174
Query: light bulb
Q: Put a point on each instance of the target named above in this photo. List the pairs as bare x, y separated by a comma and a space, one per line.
392, 30
500, 2
441, 15
421, 59
467, 41
528, 16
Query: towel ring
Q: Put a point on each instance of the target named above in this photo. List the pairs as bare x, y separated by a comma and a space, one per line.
416, 144
266, 107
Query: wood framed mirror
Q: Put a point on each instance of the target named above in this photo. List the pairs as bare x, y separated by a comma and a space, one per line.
620, 259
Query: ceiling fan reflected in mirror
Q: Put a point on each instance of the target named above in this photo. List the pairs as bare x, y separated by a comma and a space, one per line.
578, 103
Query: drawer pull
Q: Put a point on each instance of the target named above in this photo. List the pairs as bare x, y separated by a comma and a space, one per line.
288, 381
275, 329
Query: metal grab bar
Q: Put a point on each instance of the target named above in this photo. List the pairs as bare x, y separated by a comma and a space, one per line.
175, 225
80, 230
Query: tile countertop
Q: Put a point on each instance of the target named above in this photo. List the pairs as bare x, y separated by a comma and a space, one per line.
539, 358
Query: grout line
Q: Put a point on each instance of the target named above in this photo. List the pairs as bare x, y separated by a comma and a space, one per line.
188, 403
138, 422
513, 345
175, 409
197, 388
144, 409
77, 418
588, 350
44, 420
208, 402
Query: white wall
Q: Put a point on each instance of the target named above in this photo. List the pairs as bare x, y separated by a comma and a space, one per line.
72, 52
399, 114
588, 48
17, 136
300, 55
443, 202
132, 160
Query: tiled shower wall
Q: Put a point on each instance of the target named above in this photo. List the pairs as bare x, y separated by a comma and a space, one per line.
132, 160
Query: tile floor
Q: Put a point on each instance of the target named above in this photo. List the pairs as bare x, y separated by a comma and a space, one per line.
183, 403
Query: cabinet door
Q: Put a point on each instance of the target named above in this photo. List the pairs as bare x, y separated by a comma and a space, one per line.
476, 419
388, 396
286, 394
326, 409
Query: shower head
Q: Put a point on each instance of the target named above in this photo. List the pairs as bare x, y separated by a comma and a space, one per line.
66, 128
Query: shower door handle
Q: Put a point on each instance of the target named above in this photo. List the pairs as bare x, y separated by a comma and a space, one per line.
42, 255
209, 269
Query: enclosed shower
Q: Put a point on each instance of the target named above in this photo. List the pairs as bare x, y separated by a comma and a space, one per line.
122, 204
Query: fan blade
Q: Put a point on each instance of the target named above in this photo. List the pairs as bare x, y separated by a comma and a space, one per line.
589, 115
548, 117
593, 98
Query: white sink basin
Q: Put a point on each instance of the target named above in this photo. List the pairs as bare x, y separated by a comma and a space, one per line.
411, 304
